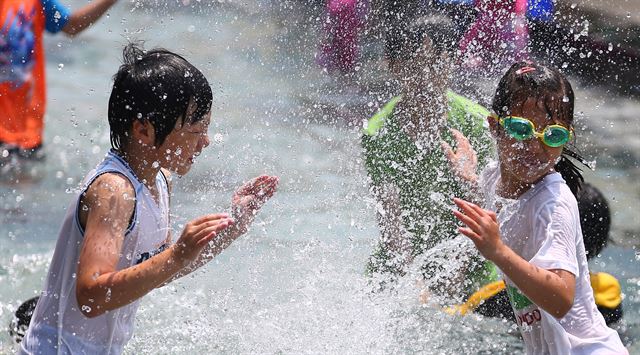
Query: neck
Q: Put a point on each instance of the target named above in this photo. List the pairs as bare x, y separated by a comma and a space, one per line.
425, 110
144, 169
510, 186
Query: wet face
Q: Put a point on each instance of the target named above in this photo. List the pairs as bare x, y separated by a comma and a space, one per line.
423, 68
184, 144
529, 160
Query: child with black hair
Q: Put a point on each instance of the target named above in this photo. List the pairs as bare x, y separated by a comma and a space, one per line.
409, 173
532, 228
115, 244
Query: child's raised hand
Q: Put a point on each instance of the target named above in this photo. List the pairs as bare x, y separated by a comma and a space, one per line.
197, 234
250, 197
464, 160
482, 227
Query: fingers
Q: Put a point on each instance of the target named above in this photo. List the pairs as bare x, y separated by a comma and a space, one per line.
461, 140
448, 151
257, 184
209, 217
467, 208
211, 230
475, 238
468, 221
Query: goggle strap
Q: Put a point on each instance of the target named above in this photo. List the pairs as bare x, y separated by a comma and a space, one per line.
577, 157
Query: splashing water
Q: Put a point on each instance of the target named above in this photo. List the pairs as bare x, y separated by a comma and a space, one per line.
296, 282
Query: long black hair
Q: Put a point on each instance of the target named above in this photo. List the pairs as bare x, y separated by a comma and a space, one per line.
526, 80
158, 86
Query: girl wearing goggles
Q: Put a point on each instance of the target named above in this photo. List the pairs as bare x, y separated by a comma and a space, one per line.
530, 228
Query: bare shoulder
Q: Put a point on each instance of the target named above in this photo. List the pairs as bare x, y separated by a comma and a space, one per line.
112, 185
110, 196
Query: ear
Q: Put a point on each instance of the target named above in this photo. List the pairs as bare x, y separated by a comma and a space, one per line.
143, 132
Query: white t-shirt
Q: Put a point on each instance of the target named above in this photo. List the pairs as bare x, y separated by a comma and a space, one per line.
58, 326
543, 227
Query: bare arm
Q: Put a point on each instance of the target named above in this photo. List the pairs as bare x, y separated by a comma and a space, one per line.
100, 286
552, 290
389, 215
245, 204
86, 16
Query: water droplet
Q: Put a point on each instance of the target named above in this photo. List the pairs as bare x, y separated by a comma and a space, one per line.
565, 99
60, 66
155, 164
610, 48
191, 28
86, 309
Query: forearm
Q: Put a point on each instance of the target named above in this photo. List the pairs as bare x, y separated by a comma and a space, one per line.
214, 248
389, 213
543, 287
87, 15
113, 290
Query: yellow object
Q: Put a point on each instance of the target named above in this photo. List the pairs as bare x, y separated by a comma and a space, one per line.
606, 290
483, 294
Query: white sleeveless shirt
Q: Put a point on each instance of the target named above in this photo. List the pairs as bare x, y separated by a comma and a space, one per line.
58, 326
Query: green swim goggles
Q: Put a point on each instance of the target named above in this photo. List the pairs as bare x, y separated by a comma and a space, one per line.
522, 129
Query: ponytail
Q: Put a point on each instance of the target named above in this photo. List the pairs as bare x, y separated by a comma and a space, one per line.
571, 174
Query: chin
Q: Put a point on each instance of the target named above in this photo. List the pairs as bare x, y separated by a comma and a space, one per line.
532, 174
526, 171
183, 170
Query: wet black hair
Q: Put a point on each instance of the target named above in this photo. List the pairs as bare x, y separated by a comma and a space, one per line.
595, 219
157, 86
525, 80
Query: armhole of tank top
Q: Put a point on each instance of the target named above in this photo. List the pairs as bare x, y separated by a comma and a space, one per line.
166, 184
132, 220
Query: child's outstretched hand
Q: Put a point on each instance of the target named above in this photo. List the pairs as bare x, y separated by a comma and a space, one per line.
249, 198
464, 160
482, 227
197, 234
